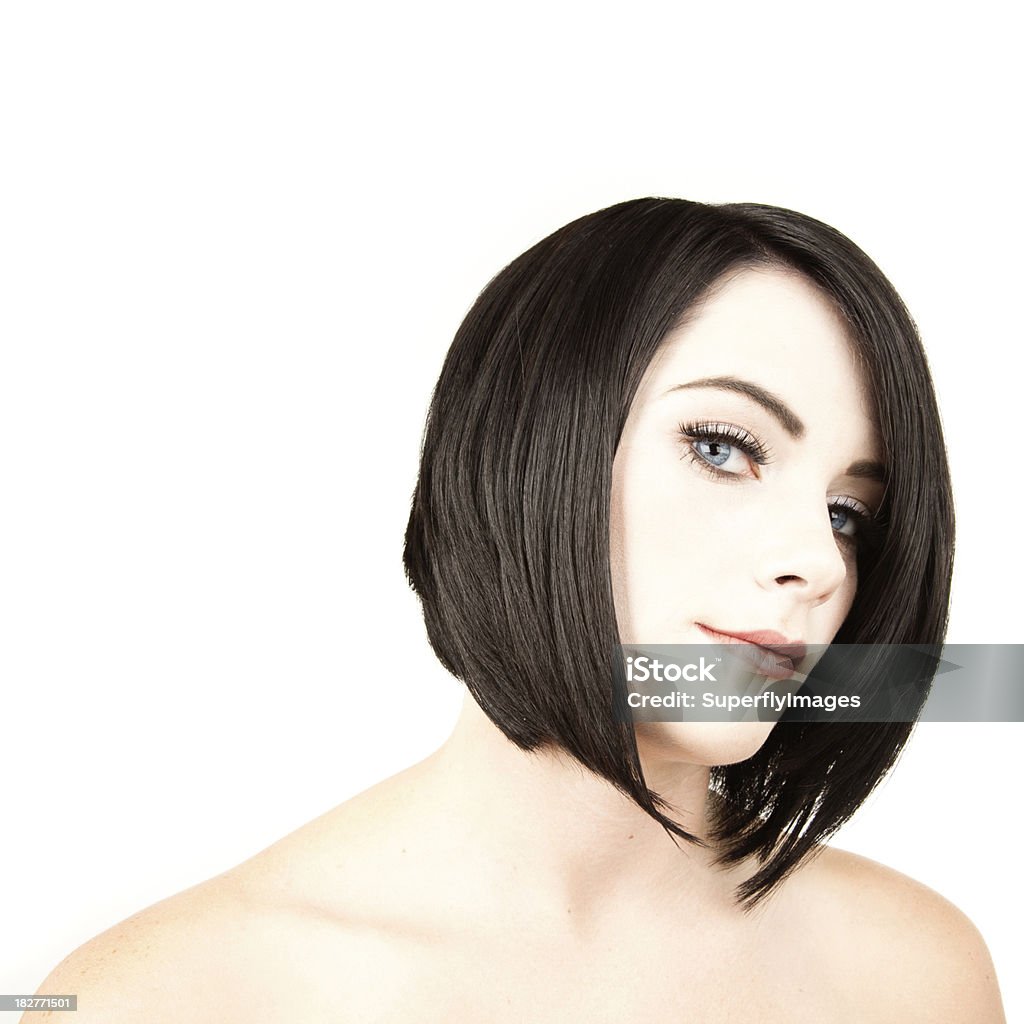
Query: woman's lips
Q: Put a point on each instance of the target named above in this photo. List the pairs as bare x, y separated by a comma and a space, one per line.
770, 653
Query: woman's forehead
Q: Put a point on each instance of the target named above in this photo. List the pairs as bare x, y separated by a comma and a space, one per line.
766, 322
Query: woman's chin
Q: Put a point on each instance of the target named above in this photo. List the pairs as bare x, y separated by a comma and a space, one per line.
701, 743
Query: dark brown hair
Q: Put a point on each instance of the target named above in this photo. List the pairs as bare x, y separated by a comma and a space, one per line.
508, 539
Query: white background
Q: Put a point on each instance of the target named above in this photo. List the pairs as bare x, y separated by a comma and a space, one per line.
236, 241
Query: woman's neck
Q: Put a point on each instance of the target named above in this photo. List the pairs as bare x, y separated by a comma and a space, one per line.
578, 843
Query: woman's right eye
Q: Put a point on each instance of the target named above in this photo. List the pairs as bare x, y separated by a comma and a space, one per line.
723, 448
718, 454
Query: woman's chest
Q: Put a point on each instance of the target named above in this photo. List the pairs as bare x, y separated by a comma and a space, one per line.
634, 990
401, 980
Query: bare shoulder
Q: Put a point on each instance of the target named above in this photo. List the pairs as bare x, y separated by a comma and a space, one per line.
171, 958
262, 941
911, 953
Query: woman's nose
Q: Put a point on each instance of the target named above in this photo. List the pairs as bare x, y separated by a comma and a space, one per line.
803, 554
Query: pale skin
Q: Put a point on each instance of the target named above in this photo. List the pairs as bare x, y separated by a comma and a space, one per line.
486, 884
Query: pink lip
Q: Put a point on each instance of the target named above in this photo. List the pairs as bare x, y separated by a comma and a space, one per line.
767, 639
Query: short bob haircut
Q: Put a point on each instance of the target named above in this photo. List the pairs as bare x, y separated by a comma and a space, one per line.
507, 544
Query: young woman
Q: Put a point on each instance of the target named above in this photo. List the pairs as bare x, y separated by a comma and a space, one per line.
666, 423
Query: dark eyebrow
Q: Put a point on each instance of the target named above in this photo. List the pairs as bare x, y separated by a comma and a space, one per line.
770, 403
867, 471
793, 425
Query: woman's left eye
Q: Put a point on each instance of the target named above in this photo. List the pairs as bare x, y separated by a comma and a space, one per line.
849, 517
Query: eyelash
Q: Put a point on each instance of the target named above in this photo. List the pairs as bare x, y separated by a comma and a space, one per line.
868, 525
725, 433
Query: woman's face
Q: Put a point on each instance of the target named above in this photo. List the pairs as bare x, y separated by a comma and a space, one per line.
749, 456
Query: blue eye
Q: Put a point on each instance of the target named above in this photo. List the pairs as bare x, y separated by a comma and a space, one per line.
715, 444
842, 520
852, 521
715, 452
